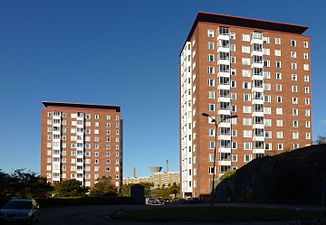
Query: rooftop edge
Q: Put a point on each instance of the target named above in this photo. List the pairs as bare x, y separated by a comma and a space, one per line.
72, 104
244, 22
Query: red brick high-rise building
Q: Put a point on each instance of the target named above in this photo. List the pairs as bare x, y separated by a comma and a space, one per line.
258, 70
82, 142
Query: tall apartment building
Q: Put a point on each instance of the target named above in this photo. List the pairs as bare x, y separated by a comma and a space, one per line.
82, 142
258, 70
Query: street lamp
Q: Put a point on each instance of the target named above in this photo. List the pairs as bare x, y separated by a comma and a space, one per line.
215, 149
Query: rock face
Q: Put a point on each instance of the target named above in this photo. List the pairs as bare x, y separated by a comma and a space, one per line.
298, 176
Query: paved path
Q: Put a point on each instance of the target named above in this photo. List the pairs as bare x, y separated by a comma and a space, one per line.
97, 215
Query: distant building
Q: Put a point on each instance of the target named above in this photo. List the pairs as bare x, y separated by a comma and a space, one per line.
161, 179
82, 142
158, 179
256, 69
137, 180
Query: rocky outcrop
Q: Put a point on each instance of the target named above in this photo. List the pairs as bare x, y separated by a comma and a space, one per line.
298, 176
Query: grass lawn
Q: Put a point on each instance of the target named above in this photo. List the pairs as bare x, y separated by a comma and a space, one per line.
219, 214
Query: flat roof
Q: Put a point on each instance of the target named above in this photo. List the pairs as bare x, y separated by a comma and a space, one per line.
82, 105
245, 22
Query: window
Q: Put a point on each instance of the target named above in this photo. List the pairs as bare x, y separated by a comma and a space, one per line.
294, 88
267, 63
247, 158
268, 134
211, 58
306, 78
268, 146
293, 54
233, 59
307, 101
232, 48
246, 73
266, 40
211, 70
246, 37
294, 100
306, 90
279, 123
277, 52
295, 111
210, 33
295, 123
279, 134
233, 84
307, 124
267, 98
266, 51
246, 85
211, 170
224, 30
245, 61
294, 66
247, 133
278, 64
279, 111
293, 43
295, 135
278, 76
233, 72
96, 116
267, 87
267, 75
245, 49
308, 135
247, 145
246, 109
306, 55
306, 67
268, 122
211, 82
232, 36
210, 45
211, 145
211, 95
279, 99
306, 44
211, 107
234, 96
307, 112
277, 41
294, 77
247, 121
246, 97
279, 146
267, 110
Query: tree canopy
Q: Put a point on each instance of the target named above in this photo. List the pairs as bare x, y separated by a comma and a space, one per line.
23, 184
69, 188
104, 187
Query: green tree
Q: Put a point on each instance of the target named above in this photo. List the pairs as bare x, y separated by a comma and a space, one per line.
23, 184
69, 188
228, 174
320, 140
104, 187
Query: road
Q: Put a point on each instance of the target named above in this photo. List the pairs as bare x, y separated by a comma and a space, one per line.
97, 215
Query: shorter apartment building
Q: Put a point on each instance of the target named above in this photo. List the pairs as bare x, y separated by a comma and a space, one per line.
137, 180
162, 179
82, 142
159, 179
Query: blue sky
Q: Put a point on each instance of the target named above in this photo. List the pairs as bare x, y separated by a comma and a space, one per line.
123, 53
